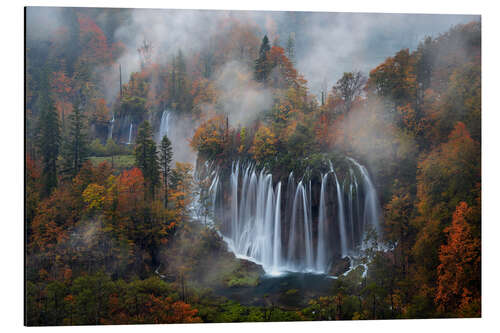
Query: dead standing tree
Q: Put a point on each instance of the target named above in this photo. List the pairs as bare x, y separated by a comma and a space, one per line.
349, 87
145, 53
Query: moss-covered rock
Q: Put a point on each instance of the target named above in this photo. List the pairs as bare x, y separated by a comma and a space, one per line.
247, 274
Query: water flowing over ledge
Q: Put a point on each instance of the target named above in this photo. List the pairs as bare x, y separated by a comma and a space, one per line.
131, 129
164, 125
299, 225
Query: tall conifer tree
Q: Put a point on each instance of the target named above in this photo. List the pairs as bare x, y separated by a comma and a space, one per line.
49, 136
76, 145
146, 157
166, 156
262, 65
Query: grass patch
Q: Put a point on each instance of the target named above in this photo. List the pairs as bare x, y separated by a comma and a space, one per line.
249, 280
117, 161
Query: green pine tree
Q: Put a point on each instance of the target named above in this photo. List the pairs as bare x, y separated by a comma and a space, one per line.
181, 85
49, 136
166, 156
262, 65
146, 157
76, 145
290, 48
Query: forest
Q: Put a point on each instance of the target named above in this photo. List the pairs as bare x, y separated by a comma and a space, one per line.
212, 184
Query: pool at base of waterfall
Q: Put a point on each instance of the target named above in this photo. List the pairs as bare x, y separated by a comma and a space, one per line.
290, 290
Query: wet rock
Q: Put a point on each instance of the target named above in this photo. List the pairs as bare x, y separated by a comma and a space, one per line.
250, 266
340, 266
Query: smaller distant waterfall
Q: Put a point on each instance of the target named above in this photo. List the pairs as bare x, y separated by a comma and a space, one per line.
164, 124
130, 134
110, 131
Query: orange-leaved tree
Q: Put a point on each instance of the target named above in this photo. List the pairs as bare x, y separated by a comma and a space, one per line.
209, 138
459, 271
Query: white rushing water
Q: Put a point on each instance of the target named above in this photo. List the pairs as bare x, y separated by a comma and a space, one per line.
164, 124
112, 124
340, 216
371, 211
130, 134
287, 231
321, 262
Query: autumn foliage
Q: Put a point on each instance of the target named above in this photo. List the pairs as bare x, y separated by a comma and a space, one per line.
115, 244
459, 270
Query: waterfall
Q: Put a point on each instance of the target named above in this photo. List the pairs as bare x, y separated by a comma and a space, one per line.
308, 227
351, 217
130, 134
234, 201
341, 217
205, 203
277, 232
164, 125
300, 250
322, 225
213, 192
278, 226
254, 230
371, 209
110, 131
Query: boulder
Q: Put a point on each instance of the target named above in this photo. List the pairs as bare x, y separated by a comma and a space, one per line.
340, 266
